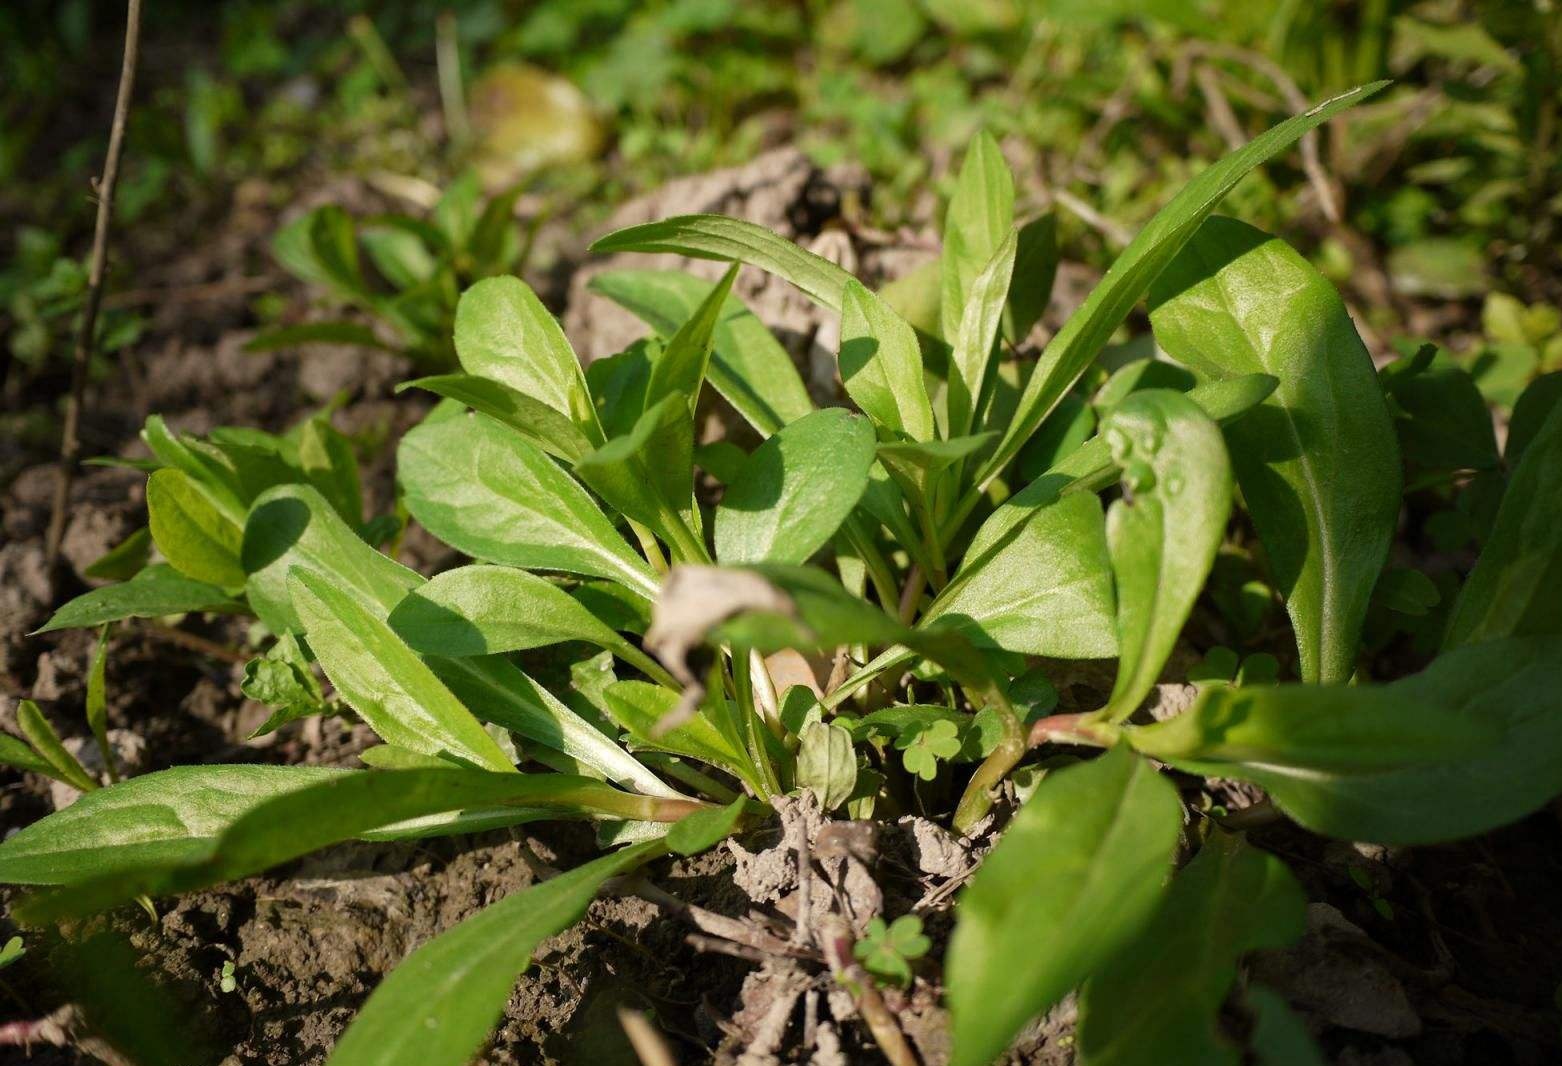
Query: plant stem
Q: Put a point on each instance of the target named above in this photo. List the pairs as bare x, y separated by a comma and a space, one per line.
648, 545
679, 770
753, 725
977, 799
447, 57
86, 338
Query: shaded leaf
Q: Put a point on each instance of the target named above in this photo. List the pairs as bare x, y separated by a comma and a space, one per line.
979, 219
196, 535
549, 430
648, 474
158, 590
881, 365
680, 369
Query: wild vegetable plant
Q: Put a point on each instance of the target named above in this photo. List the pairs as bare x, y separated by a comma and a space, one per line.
973, 523
415, 270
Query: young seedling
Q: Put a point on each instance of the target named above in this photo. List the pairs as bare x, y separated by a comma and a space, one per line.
904, 538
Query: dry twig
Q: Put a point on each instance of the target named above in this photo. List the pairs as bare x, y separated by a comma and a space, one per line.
86, 339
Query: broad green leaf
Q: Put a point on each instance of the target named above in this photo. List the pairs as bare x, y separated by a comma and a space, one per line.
639, 706
1280, 1038
350, 334
206, 466
1441, 418
881, 365
914, 462
681, 368
794, 491
400, 253
156, 591
703, 830
456, 213
1165, 989
382, 679
1513, 590
246, 839
294, 527
1317, 463
1074, 877
197, 536
483, 610
734, 240
1082, 337
549, 430
63, 766
1164, 532
320, 248
1035, 269
123, 561
827, 763
485, 490
1530, 413
748, 366
973, 340
1046, 590
438, 1007
504, 333
648, 474
1471, 743
979, 220
166, 816
327, 462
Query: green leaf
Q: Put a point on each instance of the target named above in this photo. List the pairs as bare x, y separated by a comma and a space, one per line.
1046, 590
482, 610
400, 252
881, 365
915, 462
1080, 340
1035, 269
487, 491
1530, 413
327, 461
1279, 1037
158, 590
504, 333
827, 763
1442, 422
549, 430
648, 474
1471, 743
1164, 532
282, 680
196, 535
680, 369
438, 1007
455, 215
324, 811
19, 755
123, 561
97, 702
1074, 877
350, 334
792, 494
748, 366
168, 816
1513, 589
639, 706
703, 830
63, 766
1165, 989
384, 680
974, 338
1317, 463
734, 240
979, 220
320, 248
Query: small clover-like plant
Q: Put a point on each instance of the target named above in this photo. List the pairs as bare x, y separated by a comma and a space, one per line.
964, 524
887, 951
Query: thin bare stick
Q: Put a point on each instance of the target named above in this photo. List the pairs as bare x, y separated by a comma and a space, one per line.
647, 1042
193, 643
86, 340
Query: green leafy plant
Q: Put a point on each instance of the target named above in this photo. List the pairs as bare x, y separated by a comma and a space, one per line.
414, 272
902, 538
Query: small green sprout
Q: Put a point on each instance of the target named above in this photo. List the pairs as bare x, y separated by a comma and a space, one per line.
887, 951
923, 749
228, 983
12, 951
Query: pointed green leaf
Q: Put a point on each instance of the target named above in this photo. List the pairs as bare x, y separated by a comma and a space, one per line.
681, 367
915, 462
549, 430
192, 531
1035, 269
123, 561
1471, 743
349, 334
973, 340
46, 743
1318, 463
438, 1007
1166, 988
383, 679
1164, 532
881, 365
487, 491
1080, 340
703, 830
748, 366
1074, 877
638, 706
19, 755
156, 591
979, 220
504, 333
648, 474
1046, 590
792, 494
1513, 589
734, 240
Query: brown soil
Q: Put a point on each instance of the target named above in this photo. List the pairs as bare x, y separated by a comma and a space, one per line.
1456, 964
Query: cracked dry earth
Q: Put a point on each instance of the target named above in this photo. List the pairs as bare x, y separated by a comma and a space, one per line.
1427, 957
